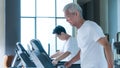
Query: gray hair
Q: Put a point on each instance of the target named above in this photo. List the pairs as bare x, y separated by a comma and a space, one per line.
72, 7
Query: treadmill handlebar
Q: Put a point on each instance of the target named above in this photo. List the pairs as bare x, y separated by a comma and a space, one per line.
21, 48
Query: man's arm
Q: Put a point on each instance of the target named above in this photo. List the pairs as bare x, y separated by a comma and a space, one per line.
62, 56
108, 51
58, 53
74, 59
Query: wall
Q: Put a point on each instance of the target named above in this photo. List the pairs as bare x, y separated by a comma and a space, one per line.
91, 11
12, 26
96, 11
88, 10
112, 19
9, 27
104, 15
2, 31
118, 6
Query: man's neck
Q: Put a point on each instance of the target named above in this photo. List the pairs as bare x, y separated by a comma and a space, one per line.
81, 23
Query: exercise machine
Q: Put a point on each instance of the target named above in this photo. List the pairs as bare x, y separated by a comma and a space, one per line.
22, 58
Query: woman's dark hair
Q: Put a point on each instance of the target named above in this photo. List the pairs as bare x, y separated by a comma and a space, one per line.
58, 29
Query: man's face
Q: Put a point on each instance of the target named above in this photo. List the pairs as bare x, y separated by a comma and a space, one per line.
70, 17
61, 36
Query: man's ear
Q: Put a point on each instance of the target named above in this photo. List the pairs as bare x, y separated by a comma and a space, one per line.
62, 33
76, 13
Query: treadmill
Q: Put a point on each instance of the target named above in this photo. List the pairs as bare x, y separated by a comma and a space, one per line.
43, 56
22, 58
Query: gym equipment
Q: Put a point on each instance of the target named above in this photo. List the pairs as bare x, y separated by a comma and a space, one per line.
35, 57
117, 54
41, 53
22, 58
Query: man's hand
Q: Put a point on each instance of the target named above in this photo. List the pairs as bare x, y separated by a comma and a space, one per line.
68, 64
54, 62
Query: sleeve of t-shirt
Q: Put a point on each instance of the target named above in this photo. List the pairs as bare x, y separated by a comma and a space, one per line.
72, 45
97, 33
69, 46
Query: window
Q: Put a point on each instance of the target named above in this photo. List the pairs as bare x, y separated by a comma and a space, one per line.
39, 18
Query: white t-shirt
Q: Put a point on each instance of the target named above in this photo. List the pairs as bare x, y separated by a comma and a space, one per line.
71, 46
92, 53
